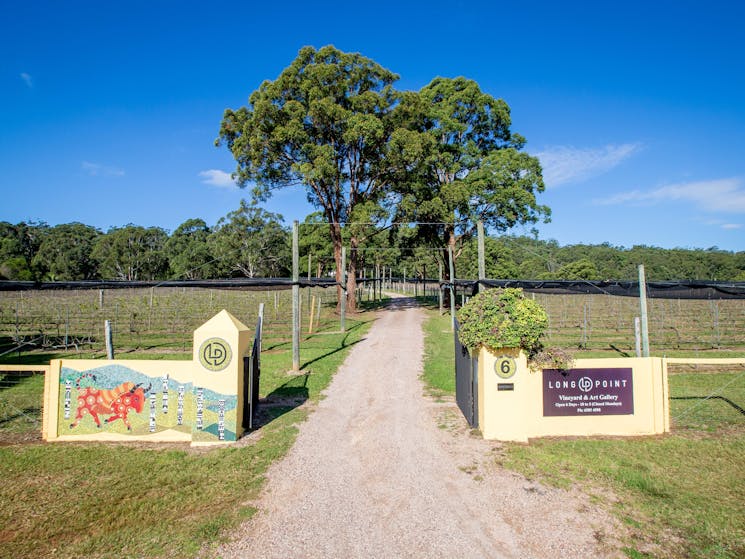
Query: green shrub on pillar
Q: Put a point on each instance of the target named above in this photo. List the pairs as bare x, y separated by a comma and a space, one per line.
499, 318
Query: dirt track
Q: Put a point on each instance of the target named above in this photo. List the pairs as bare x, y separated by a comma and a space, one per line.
381, 470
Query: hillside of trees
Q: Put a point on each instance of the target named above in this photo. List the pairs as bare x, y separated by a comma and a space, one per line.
251, 242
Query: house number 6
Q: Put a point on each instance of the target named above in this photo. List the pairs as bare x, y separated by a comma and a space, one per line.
505, 367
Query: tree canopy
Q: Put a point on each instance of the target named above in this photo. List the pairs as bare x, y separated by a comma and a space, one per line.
132, 253
251, 242
65, 253
324, 123
470, 168
54, 254
189, 256
444, 157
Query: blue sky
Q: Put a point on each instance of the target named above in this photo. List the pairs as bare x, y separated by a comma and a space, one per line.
109, 110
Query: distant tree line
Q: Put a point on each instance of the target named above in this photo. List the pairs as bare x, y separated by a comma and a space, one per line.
510, 257
247, 242
251, 242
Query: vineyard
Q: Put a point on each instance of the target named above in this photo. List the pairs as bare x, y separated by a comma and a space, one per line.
153, 321
600, 322
160, 321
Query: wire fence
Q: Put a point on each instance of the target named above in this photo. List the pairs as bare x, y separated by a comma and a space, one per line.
21, 395
157, 319
161, 320
606, 321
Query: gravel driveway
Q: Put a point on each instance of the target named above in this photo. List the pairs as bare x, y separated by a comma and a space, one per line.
382, 470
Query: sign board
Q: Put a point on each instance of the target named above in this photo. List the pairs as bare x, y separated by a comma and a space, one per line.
583, 392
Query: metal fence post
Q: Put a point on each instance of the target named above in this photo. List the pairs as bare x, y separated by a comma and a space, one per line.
482, 250
452, 289
295, 300
343, 306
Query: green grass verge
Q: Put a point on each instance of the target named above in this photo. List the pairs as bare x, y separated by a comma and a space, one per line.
20, 402
142, 500
439, 354
684, 493
681, 495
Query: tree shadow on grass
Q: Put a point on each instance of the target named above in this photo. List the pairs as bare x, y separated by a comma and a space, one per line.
294, 392
343, 346
283, 399
737, 408
30, 414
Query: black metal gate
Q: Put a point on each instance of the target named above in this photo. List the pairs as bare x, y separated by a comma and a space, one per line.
466, 381
251, 376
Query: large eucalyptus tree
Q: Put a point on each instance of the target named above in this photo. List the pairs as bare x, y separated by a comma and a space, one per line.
325, 123
470, 166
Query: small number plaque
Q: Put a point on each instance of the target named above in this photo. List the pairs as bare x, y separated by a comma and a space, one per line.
505, 367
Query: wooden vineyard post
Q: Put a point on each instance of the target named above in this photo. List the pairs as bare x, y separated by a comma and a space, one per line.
643, 305
452, 289
311, 314
439, 290
109, 342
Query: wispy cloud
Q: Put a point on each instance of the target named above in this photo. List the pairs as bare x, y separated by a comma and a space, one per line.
720, 196
98, 170
27, 79
722, 224
563, 164
218, 178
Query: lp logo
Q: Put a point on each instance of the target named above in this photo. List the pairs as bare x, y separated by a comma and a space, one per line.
585, 384
215, 354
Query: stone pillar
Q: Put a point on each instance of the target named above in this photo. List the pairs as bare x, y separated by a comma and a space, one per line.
219, 347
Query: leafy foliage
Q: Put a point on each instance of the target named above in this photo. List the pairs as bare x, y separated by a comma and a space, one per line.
499, 318
579, 269
188, 254
132, 252
65, 253
18, 245
325, 123
251, 242
552, 358
498, 257
314, 240
469, 165
30, 251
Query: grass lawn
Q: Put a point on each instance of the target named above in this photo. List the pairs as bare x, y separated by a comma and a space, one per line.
681, 495
438, 354
147, 500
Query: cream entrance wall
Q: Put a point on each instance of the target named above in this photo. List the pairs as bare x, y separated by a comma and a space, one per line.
198, 400
514, 411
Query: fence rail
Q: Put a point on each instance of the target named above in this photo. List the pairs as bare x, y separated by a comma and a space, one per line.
606, 321
161, 319
152, 319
